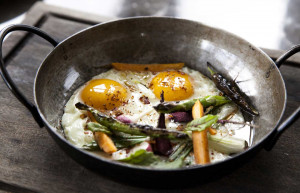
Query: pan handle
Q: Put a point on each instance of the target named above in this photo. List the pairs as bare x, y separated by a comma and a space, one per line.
5, 76
295, 115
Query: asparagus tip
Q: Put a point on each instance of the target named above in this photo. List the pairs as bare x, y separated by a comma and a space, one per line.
254, 111
81, 106
210, 68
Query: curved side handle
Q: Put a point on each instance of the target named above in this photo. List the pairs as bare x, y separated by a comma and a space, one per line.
5, 76
286, 55
295, 115
281, 128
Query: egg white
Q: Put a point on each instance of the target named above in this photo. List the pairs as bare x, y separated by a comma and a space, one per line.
136, 84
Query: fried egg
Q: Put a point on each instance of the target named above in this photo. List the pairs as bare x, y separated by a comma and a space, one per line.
133, 95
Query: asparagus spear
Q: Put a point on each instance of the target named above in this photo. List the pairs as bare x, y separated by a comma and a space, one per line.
132, 128
181, 151
186, 106
96, 127
123, 140
232, 91
91, 146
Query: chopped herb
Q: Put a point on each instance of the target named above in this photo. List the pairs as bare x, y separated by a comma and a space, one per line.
201, 123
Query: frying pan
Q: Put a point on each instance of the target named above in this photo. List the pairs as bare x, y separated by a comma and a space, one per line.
89, 52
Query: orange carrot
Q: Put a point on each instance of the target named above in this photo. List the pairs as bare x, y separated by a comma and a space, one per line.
200, 142
212, 131
147, 67
103, 140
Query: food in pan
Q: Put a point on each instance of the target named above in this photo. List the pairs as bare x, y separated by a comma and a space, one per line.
158, 115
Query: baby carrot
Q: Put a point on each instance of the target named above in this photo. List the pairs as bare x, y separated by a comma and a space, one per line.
200, 142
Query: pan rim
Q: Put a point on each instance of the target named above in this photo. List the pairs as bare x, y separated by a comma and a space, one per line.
119, 164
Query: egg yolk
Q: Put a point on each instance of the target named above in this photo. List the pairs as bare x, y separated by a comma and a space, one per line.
176, 85
103, 94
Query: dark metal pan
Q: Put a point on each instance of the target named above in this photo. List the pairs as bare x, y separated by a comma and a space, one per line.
75, 60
